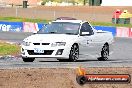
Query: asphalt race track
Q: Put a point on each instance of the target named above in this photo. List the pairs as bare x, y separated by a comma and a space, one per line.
122, 56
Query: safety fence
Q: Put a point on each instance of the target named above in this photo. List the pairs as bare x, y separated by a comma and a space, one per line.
51, 14
32, 27
89, 13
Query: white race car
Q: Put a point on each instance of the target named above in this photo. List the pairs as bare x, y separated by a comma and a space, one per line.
67, 40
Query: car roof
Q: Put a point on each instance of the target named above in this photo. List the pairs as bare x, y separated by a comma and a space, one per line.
65, 18
70, 21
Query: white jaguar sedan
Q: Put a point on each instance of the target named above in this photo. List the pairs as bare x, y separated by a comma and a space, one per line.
67, 40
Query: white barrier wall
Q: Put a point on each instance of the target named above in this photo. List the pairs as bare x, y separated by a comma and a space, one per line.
124, 32
30, 27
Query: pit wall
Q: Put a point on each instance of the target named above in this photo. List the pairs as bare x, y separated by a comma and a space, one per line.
117, 31
20, 26
32, 27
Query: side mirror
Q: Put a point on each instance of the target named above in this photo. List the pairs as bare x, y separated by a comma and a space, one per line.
84, 33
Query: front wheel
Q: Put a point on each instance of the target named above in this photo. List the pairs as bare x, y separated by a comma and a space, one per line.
28, 59
104, 53
74, 53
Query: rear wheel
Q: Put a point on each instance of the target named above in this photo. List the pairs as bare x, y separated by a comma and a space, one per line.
28, 59
74, 53
104, 53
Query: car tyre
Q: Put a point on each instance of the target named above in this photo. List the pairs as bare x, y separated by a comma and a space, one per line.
104, 53
74, 53
28, 59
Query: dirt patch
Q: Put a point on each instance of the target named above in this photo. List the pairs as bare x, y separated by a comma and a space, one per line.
88, 9
55, 78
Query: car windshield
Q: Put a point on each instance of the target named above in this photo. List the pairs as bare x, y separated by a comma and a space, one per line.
60, 28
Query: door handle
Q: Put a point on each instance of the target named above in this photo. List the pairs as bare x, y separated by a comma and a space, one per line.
87, 41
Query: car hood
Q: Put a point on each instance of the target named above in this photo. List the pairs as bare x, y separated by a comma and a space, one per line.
51, 38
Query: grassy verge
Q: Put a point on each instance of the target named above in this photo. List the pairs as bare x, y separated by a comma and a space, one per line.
110, 24
14, 19
9, 49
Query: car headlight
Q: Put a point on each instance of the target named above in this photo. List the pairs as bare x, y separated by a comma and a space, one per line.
58, 44
26, 43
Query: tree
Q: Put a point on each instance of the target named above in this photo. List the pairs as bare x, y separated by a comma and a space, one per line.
84, 2
43, 2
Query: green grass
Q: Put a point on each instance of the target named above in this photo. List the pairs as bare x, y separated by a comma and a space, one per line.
17, 19
110, 24
9, 49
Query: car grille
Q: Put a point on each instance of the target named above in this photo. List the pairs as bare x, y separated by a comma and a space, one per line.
46, 52
45, 43
41, 43
36, 43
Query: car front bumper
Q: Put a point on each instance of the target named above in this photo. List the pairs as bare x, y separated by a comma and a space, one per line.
60, 52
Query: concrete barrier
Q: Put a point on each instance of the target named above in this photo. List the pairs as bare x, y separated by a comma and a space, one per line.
20, 26
106, 28
32, 27
11, 26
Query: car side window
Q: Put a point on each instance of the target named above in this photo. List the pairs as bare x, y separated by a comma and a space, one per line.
86, 28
